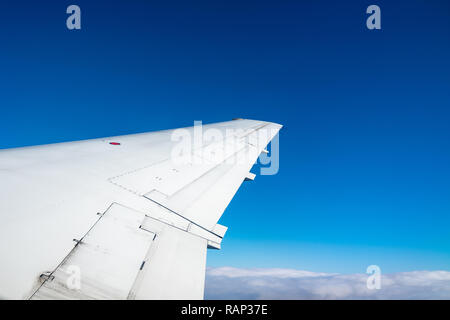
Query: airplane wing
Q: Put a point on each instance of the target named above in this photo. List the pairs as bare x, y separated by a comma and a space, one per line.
127, 217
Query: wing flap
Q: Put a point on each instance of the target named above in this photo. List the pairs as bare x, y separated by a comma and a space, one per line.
176, 269
104, 263
127, 255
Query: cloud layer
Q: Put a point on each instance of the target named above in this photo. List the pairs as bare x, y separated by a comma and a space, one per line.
236, 283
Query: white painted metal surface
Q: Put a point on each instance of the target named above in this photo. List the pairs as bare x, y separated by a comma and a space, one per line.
156, 217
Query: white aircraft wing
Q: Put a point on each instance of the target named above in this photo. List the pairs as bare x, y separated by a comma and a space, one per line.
127, 217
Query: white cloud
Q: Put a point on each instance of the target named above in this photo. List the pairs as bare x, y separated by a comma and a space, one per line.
236, 283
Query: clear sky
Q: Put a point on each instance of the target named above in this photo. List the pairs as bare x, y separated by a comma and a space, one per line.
365, 149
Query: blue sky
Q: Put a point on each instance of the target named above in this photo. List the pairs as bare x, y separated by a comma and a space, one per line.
365, 152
